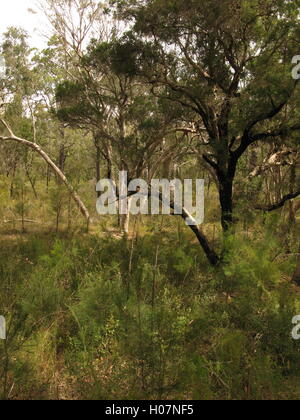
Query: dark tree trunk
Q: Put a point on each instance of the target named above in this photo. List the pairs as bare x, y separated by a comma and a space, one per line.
12, 185
209, 251
62, 157
226, 202
98, 167
225, 171
98, 162
109, 169
32, 182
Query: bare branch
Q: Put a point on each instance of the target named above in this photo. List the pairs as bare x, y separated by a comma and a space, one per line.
271, 114
280, 204
7, 127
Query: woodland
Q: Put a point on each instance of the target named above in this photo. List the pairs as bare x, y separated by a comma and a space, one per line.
146, 307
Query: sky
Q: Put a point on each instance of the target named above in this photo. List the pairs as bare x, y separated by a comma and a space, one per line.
15, 13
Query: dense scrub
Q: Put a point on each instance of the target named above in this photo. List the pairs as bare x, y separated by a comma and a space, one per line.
100, 318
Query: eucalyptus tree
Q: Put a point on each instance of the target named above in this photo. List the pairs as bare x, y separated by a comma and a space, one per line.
135, 131
228, 63
73, 23
17, 86
26, 98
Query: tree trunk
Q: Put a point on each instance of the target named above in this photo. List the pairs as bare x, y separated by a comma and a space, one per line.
125, 220
226, 202
210, 253
124, 223
109, 169
225, 170
98, 161
32, 182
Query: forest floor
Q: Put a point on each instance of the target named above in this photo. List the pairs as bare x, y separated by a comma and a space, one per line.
77, 298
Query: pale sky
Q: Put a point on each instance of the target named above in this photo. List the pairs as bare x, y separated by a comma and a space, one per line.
15, 13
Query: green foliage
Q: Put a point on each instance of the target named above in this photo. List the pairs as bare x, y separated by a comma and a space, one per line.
165, 331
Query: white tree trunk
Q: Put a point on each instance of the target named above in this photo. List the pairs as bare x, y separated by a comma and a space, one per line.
125, 219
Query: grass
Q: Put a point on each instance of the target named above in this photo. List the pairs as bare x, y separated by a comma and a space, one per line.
98, 317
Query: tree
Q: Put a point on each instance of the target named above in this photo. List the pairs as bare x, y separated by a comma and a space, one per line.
133, 130
74, 22
227, 62
27, 96
17, 87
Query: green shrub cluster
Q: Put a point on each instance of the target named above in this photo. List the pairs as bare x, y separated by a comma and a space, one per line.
97, 318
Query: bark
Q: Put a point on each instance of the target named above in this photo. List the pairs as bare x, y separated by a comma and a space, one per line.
125, 220
210, 253
62, 158
53, 166
226, 201
109, 168
225, 181
32, 183
124, 223
98, 161
203, 241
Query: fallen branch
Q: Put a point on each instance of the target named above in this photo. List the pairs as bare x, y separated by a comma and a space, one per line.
52, 165
20, 220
